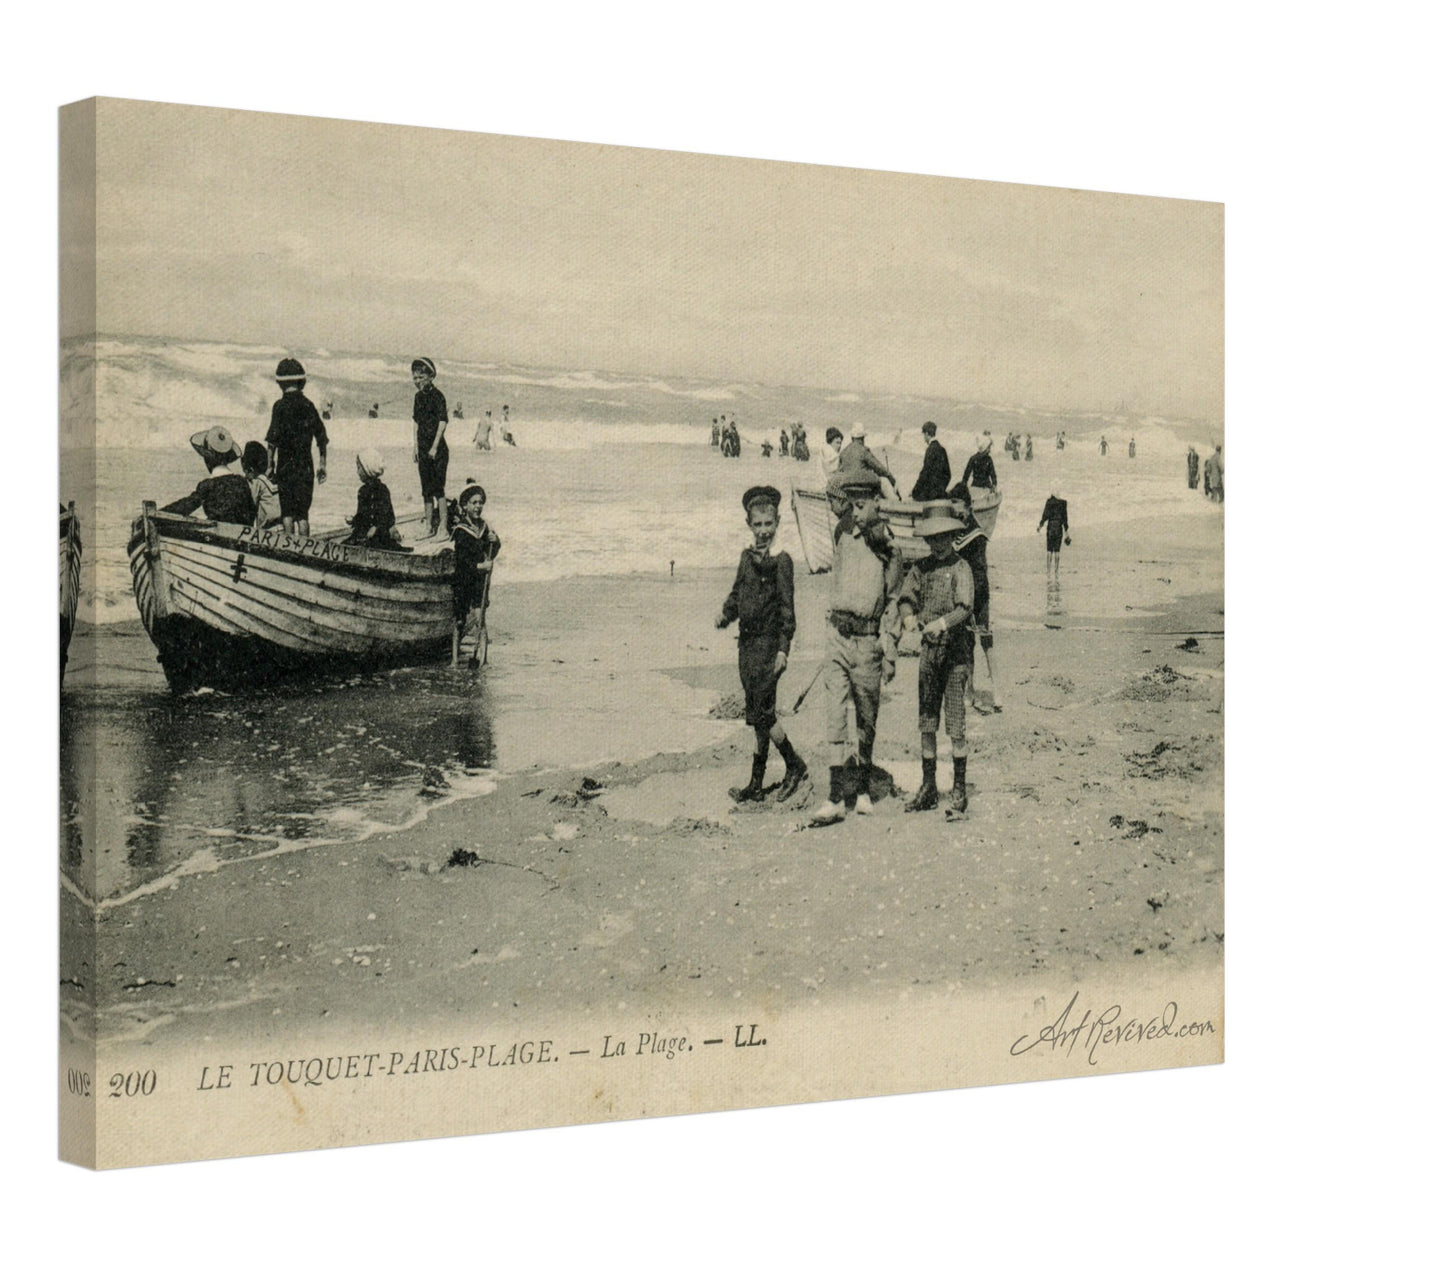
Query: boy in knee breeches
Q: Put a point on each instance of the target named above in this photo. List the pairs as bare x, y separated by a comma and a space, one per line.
938, 594
761, 601
862, 640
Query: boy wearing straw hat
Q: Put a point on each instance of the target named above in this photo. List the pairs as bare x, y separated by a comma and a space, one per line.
938, 594
761, 601
294, 425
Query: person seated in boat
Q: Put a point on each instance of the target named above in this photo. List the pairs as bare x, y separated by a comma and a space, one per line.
374, 523
978, 472
254, 463
224, 495
832, 450
477, 547
295, 424
856, 457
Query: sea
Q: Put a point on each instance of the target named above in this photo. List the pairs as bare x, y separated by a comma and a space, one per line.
611, 475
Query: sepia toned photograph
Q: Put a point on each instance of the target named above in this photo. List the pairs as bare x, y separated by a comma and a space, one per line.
557, 633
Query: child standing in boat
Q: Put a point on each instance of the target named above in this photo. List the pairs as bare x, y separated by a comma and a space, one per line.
429, 444
477, 547
761, 601
294, 425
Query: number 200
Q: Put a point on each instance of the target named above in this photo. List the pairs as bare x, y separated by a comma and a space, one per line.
129, 1085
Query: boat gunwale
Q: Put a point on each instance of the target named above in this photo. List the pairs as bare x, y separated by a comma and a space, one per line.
435, 567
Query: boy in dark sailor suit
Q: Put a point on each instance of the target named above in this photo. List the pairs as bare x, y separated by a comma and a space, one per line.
761, 601
477, 546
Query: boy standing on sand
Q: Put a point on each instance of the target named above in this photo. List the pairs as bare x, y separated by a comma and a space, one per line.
761, 601
429, 445
862, 648
938, 593
294, 424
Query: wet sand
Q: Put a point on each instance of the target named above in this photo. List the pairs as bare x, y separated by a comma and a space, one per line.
1093, 843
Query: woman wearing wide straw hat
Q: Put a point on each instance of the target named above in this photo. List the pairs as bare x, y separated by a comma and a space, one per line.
224, 495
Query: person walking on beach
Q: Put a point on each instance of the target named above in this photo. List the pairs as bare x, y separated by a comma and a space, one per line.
856, 457
1131, 447
1103, 447
429, 443
477, 547
1191, 467
761, 601
938, 593
715, 429
1214, 475
932, 481
1056, 515
1029, 449
862, 649
782, 441
1059, 441
295, 424
223, 495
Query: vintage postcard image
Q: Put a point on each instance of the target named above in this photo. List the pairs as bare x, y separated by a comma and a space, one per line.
556, 633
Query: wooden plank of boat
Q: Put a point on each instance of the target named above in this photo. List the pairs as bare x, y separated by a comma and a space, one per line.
901, 516
69, 580
815, 527
231, 604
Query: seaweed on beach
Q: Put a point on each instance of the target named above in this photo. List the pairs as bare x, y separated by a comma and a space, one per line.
731, 707
1159, 685
1166, 760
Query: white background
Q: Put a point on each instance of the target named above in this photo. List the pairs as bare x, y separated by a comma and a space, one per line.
1319, 1137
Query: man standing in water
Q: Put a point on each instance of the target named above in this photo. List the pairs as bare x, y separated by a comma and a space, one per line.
932, 481
1056, 515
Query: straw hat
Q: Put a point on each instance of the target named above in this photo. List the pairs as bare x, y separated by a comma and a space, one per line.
216, 445
936, 519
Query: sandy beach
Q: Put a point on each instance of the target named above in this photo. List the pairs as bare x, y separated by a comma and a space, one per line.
1093, 838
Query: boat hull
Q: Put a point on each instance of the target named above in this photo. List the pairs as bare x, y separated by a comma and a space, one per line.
234, 606
69, 581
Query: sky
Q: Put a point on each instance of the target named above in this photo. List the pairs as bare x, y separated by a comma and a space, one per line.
309, 233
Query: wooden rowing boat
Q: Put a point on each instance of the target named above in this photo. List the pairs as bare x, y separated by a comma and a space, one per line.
230, 606
815, 521
69, 580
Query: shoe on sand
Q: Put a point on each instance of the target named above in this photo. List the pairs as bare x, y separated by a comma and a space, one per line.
792, 780
828, 812
865, 803
927, 798
746, 795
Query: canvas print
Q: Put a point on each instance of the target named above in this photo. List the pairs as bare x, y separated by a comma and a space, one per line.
553, 633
